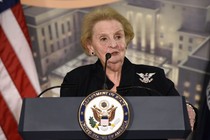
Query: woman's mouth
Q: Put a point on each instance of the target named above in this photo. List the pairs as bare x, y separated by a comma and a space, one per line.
114, 53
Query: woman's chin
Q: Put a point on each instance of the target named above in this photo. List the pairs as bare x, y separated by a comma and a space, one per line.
115, 61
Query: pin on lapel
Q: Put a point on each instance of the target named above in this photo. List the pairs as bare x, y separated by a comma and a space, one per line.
145, 78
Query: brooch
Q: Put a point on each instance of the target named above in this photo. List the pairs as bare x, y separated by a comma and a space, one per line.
145, 78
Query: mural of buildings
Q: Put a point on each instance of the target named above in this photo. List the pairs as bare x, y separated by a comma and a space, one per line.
54, 36
166, 27
174, 30
192, 72
168, 33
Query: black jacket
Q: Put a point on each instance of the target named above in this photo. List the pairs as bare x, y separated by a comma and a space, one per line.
87, 79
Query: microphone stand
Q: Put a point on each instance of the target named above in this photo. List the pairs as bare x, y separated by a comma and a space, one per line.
107, 56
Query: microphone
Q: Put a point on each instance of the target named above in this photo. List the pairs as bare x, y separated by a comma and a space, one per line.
107, 57
44, 91
126, 88
60, 86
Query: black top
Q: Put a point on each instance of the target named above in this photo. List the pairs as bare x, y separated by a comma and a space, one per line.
87, 79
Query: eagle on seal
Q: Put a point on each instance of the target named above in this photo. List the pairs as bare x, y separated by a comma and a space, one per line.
104, 117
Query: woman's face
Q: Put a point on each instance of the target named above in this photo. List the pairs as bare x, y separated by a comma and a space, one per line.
108, 37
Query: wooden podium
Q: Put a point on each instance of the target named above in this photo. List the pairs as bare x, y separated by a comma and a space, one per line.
152, 117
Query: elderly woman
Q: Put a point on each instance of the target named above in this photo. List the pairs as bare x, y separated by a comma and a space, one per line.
106, 31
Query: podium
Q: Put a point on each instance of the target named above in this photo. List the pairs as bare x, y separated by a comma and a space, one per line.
151, 117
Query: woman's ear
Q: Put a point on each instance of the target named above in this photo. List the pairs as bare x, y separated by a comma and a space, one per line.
90, 48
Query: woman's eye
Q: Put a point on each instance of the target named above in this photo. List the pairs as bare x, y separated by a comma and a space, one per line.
118, 37
103, 39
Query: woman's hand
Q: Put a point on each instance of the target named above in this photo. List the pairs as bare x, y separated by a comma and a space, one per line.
192, 115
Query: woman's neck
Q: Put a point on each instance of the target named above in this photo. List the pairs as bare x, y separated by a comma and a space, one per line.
115, 77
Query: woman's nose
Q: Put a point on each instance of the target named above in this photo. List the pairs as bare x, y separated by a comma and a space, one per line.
112, 43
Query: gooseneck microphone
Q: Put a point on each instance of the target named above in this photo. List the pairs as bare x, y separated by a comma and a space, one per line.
60, 86
125, 89
107, 57
47, 90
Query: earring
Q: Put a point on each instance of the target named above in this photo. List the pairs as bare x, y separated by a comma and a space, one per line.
92, 53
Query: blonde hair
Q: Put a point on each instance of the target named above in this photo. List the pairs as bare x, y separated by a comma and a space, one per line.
99, 14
